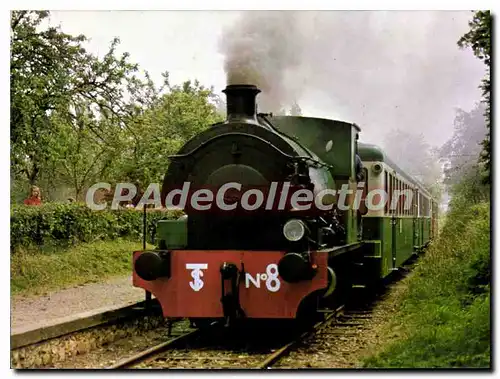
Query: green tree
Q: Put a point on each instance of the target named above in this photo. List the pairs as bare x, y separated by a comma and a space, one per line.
479, 39
77, 119
415, 156
177, 115
295, 110
81, 159
463, 149
51, 73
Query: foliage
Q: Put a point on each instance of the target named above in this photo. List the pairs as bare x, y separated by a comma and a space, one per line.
178, 115
78, 119
444, 318
32, 272
470, 190
414, 155
80, 159
463, 149
479, 39
52, 73
66, 224
295, 110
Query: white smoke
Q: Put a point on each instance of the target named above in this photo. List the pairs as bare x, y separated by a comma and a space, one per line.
382, 70
260, 49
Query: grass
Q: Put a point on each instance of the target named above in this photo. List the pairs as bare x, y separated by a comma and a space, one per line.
443, 320
36, 271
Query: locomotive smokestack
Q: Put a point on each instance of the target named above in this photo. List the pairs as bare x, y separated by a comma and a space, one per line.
241, 104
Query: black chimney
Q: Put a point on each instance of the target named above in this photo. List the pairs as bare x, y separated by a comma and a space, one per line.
241, 105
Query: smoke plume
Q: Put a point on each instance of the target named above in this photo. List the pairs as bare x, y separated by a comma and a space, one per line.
260, 49
382, 70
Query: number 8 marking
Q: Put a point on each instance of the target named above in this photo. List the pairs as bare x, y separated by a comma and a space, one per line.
272, 283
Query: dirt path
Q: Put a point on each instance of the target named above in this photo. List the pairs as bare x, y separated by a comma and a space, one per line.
34, 311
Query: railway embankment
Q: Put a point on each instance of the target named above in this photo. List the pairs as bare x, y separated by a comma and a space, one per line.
38, 272
443, 317
56, 246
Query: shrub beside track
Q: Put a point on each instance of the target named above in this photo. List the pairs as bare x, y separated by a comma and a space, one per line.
65, 224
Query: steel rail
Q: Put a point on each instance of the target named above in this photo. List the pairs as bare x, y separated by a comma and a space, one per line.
149, 354
144, 355
278, 354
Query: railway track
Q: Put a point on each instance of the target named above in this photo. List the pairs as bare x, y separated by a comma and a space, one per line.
195, 348
198, 350
188, 348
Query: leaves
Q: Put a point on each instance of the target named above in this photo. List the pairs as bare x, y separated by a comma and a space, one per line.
69, 223
78, 119
162, 129
479, 39
295, 110
414, 155
479, 36
463, 149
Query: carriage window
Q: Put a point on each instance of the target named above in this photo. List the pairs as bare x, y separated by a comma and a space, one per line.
403, 200
365, 173
410, 193
397, 197
420, 205
389, 211
406, 198
413, 202
400, 186
393, 209
393, 188
386, 189
394, 197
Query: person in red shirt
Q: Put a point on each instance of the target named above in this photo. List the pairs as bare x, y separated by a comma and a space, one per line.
34, 198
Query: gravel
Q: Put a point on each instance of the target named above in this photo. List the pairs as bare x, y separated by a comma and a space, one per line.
138, 339
346, 347
35, 311
89, 348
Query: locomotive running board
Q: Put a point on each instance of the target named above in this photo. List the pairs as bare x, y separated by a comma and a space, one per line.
338, 250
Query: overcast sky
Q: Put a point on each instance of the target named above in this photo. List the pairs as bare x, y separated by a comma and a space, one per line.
378, 69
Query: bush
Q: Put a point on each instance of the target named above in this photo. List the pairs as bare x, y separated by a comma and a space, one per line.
444, 318
62, 224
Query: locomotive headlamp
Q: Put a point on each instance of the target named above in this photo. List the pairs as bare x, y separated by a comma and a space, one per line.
377, 168
294, 230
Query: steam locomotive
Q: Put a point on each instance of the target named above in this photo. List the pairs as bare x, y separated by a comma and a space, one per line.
284, 261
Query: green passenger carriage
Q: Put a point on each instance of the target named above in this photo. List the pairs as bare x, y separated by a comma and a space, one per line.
397, 231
